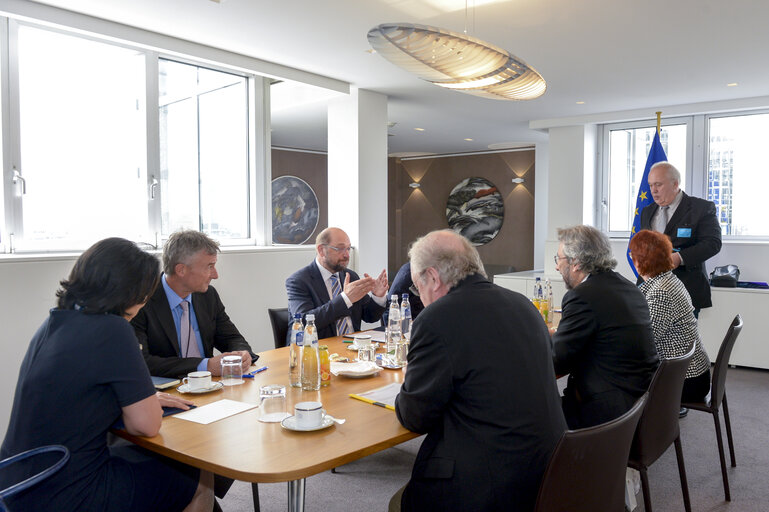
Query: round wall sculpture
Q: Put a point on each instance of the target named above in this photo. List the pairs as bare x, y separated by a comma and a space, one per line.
475, 209
294, 210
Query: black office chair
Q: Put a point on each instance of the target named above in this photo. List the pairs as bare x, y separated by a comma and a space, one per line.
279, 320
718, 396
35, 479
658, 427
587, 469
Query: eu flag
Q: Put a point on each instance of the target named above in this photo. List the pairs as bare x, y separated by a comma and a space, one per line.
644, 198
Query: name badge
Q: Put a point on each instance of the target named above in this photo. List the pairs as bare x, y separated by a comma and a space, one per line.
684, 233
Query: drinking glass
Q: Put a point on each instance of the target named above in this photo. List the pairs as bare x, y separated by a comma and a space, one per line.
272, 408
232, 370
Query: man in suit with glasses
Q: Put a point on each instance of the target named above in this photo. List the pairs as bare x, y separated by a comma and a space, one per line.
336, 295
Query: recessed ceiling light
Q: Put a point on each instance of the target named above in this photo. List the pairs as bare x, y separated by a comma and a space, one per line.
580, 103
390, 124
732, 84
469, 140
419, 129
370, 50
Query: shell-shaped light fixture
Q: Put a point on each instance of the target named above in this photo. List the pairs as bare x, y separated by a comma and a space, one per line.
457, 61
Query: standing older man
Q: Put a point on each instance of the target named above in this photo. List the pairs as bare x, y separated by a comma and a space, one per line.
337, 297
184, 320
692, 226
480, 384
604, 340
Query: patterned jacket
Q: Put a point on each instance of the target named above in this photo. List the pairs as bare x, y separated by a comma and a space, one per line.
673, 322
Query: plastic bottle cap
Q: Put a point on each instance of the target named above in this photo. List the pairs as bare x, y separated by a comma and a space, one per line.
310, 317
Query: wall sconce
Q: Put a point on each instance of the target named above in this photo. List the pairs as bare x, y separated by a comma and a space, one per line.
414, 185
518, 180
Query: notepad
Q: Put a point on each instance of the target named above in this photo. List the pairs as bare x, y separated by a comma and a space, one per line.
215, 411
383, 397
164, 382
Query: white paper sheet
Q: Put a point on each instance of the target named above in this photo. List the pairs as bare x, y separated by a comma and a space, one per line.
215, 411
385, 394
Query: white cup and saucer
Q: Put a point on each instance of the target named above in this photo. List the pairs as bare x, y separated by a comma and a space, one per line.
307, 416
198, 382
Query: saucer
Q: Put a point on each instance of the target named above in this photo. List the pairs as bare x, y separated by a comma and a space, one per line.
185, 388
382, 363
355, 347
357, 370
290, 424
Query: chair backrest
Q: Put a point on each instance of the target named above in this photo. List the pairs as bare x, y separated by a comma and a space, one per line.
722, 362
587, 469
279, 320
658, 426
34, 479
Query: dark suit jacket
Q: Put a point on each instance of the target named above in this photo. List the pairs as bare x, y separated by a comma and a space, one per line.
704, 241
480, 384
401, 284
307, 293
154, 326
605, 343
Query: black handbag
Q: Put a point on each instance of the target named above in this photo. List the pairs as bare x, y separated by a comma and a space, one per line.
725, 276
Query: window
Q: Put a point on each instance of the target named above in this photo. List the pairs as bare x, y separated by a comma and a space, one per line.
628, 148
86, 158
82, 141
203, 150
737, 173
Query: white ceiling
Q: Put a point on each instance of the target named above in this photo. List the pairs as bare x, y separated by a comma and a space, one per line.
612, 54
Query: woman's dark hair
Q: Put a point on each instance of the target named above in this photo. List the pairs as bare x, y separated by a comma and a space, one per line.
652, 252
110, 277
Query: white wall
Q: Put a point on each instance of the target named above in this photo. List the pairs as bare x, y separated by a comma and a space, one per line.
250, 282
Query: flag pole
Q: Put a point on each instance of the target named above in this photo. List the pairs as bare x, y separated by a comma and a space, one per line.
659, 121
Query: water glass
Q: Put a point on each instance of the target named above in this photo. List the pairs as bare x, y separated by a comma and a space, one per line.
366, 352
401, 353
232, 370
272, 408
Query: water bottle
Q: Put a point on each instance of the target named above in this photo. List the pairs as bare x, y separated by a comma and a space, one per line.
536, 296
310, 357
548, 298
295, 340
393, 325
406, 317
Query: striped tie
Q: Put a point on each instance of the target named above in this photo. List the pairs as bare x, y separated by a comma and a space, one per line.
343, 324
188, 342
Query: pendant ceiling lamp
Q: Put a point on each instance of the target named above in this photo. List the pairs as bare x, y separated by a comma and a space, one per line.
457, 61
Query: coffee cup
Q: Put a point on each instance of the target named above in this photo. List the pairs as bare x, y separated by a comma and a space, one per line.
309, 414
198, 380
361, 340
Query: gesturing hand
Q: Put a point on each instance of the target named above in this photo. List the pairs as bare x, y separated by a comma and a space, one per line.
356, 290
380, 285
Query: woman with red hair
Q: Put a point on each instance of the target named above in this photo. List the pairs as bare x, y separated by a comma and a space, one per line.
671, 310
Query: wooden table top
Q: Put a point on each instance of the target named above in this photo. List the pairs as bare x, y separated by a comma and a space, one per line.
243, 448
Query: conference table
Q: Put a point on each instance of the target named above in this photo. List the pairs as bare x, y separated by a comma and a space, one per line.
243, 448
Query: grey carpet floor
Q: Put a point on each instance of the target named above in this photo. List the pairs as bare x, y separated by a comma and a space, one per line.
367, 484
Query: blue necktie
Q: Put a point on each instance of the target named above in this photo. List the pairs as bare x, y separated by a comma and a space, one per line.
343, 325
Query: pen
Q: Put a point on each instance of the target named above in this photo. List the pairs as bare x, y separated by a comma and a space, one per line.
251, 374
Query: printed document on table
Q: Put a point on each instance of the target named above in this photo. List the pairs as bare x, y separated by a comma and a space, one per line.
385, 394
215, 411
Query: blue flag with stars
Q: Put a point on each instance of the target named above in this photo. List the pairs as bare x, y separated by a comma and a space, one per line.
644, 198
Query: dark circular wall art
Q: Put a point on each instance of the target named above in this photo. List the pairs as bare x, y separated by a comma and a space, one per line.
294, 210
475, 209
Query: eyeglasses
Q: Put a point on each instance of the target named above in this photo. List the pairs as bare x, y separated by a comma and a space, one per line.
340, 249
556, 258
413, 290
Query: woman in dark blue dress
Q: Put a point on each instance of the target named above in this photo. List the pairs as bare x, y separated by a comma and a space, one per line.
82, 372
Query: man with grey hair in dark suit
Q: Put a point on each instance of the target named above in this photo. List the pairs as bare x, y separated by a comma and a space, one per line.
605, 340
480, 384
692, 226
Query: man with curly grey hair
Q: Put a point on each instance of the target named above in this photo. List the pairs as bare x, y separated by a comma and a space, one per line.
604, 340
480, 383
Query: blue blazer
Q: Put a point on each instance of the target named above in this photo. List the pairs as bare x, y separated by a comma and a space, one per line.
307, 293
